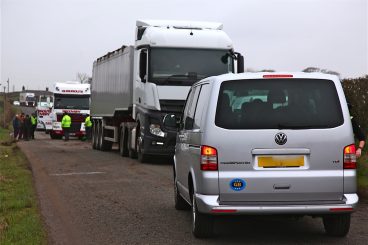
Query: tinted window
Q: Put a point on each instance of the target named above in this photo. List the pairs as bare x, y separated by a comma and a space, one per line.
189, 110
71, 102
278, 104
201, 105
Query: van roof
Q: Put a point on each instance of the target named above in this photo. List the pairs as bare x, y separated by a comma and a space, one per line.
269, 75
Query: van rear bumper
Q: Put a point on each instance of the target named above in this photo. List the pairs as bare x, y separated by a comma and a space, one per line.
210, 204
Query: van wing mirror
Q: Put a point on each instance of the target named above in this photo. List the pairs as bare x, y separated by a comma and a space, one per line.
171, 121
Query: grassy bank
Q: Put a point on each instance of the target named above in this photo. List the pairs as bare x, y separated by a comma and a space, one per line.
20, 221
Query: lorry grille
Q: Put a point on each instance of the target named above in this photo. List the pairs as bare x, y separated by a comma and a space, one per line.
175, 106
75, 117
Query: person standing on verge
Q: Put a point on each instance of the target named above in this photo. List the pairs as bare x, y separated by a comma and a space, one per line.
65, 124
34, 125
16, 126
88, 127
27, 127
358, 133
21, 126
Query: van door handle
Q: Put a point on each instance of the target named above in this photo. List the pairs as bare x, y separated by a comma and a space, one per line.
281, 186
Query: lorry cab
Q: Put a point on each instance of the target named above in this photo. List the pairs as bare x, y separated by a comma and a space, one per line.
266, 143
74, 98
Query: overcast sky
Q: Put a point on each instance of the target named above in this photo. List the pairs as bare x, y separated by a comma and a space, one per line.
44, 41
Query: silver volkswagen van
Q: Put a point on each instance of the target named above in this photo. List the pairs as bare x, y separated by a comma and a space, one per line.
266, 143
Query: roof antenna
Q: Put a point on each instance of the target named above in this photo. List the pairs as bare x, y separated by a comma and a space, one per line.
191, 32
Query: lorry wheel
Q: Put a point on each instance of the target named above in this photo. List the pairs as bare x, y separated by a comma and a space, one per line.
202, 224
94, 141
98, 135
104, 144
123, 149
337, 224
132, 152
141, 156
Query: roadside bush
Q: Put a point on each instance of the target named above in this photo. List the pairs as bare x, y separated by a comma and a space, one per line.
356, 91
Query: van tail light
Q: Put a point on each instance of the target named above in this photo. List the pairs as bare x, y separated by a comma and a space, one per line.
349, 157
208, 158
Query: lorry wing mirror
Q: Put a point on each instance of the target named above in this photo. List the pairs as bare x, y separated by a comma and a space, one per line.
171, 121
240, 63
143, 65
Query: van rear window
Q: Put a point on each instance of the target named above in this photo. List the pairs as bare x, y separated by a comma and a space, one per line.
278, 104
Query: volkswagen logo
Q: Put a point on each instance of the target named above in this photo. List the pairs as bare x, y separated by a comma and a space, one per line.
280, 138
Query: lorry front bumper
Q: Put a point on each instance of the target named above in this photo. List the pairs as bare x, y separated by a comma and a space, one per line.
161, 146
210, 204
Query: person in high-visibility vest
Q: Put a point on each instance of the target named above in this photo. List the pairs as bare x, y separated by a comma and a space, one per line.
34, 125
65, 124
88, 127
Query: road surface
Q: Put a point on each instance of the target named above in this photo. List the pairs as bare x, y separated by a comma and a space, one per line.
93, 197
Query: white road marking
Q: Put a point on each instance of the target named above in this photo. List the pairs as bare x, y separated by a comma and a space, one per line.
77, 173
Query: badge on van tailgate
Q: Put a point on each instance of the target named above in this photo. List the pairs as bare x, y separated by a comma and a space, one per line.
237, 184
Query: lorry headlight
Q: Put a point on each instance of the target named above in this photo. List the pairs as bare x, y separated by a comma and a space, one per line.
155, 129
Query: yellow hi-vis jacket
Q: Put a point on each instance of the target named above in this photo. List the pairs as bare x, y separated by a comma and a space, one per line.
66, 121
88, 122
33, 120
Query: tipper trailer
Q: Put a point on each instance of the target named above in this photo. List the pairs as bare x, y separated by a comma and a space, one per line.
135, 87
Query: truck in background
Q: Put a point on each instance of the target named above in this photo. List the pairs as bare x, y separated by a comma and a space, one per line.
135, 87
74, 98
43, 112
27, 99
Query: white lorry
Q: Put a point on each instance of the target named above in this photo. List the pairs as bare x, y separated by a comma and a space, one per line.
74, 98
27, 99
135, 87
43, 112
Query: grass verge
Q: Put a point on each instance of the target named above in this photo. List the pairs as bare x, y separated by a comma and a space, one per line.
20, 221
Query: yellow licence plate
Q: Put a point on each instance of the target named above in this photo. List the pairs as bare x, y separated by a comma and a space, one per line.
280, 161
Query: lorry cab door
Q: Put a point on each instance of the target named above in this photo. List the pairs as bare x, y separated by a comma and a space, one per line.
140, 76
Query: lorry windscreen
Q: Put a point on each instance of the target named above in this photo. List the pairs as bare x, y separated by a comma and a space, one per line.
278, 104
30, 98
71, 102
182, 66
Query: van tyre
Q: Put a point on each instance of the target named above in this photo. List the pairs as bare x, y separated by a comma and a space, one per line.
202, 224
337, 224
180, 203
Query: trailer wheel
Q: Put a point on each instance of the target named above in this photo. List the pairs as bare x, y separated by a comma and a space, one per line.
97, 137
104, 144
123, 149
94, 134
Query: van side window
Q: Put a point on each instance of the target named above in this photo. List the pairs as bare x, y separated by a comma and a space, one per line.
201, 105
188, 117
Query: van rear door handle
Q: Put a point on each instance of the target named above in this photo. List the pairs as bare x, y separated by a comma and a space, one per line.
281, 186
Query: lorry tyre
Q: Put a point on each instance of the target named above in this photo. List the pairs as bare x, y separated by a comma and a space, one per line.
132, 152
97, 137
123, 149
139, 142
202, 224
94, 141
337, 224
105, 145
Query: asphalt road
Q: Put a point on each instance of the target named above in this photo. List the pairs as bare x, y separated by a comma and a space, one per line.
93, 197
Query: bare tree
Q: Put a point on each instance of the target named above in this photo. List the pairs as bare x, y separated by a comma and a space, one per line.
316, 69
83, 77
